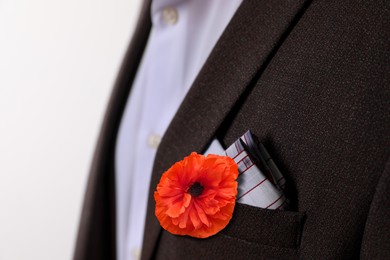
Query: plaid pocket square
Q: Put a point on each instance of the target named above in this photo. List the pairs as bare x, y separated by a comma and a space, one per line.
260, 183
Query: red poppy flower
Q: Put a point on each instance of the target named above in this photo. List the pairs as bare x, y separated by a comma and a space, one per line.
196, 196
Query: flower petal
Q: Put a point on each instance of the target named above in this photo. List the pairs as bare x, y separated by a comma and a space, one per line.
198, 215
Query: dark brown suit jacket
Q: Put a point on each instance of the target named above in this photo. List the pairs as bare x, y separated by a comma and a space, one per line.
311, 79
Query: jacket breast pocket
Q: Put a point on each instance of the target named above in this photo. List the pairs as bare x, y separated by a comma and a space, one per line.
253, 233
275, 228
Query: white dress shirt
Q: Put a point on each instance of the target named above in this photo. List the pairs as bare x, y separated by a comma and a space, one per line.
182, 36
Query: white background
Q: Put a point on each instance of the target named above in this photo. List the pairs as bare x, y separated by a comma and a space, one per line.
58, 62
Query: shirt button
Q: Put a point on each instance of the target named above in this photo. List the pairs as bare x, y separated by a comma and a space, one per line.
136, 253
154, 140
170, 15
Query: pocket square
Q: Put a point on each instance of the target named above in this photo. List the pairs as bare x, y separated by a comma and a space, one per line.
260, 183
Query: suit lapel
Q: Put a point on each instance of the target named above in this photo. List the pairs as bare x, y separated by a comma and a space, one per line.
252, 37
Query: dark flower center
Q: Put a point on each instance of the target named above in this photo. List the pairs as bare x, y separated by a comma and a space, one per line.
196, 189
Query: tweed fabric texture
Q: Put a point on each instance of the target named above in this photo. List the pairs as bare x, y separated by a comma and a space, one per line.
311, 80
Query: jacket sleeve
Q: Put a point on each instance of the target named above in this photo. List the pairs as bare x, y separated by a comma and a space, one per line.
376, 239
